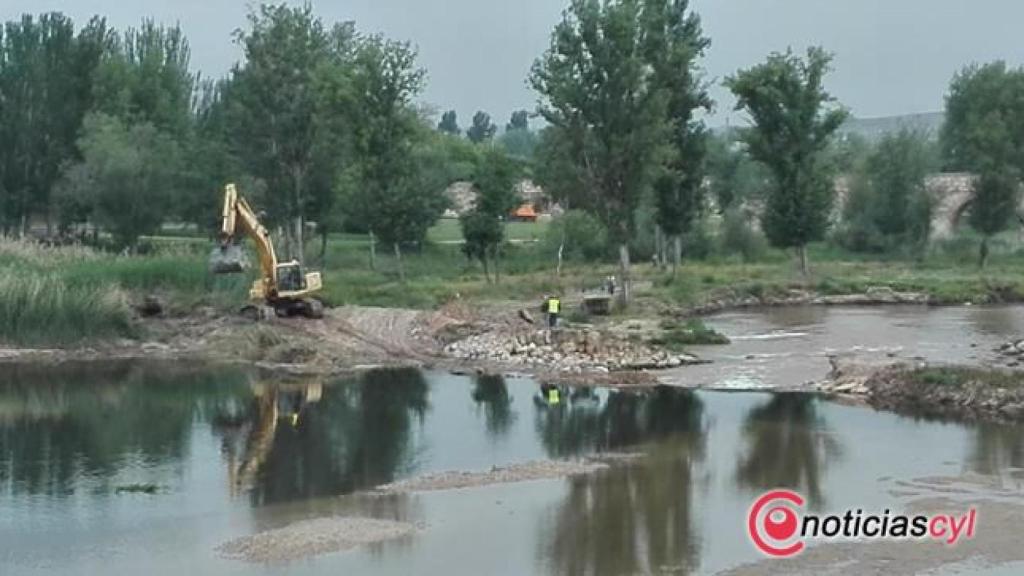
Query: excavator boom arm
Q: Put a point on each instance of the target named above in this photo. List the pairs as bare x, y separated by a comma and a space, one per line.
238, 217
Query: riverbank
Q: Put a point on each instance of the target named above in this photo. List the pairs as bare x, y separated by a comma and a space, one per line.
931, 391
165, 306
66, 297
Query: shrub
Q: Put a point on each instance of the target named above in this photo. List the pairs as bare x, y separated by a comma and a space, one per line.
738, 236
693, 333
585, 238
888, 208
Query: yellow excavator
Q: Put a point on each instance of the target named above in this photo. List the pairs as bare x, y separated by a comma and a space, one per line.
282, 289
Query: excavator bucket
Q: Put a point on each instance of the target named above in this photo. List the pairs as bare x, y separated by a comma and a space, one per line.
228, 259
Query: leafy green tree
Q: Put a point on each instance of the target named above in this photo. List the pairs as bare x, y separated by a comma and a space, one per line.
210, 159
888, 206
483, 227
145, 77
793, 123
389, 159
482, 129
675, 43
46, 75
448, 159
600, 96
556, 170
518, 140
575, 235
449, 124
128, 175
520, 120
993, 205
276, 105
520, 144
481, 235
848, 152
733, 177
984, 134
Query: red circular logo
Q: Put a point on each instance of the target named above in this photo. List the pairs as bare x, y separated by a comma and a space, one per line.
772, 523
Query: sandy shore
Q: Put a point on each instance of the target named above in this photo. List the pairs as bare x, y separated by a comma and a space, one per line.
454, 480
312, 538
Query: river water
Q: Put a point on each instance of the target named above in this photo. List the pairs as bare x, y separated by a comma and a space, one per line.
787, 347
148, 468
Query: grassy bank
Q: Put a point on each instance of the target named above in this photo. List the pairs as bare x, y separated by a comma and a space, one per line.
961, 378
61, 296
66, 295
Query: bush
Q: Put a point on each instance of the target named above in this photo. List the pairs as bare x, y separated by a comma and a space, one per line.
584, 236
739, 237
693, 333
698, 244
888, 208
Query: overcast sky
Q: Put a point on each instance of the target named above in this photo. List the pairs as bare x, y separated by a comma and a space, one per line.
892, 56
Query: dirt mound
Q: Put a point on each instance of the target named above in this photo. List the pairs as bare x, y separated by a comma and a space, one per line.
313, 537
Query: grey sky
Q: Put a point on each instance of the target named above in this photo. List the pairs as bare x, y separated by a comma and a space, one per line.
892, 56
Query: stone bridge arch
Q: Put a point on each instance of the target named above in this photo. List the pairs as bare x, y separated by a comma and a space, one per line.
951, 192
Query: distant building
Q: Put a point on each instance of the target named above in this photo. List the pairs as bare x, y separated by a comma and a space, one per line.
524, 213
462, 197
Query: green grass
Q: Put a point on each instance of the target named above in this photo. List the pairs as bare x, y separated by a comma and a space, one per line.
40, 308
692, 333
72, 294
62, 296
448, 230
960, 377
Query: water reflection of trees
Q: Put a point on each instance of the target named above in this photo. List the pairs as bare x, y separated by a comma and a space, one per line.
634, 518
61, 425
788, 445
65, 429
587, 422
997, 447
491, 393
355, 436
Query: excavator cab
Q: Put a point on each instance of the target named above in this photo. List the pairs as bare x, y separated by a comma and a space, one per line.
290, 278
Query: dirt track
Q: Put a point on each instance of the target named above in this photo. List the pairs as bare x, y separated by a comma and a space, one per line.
347, 337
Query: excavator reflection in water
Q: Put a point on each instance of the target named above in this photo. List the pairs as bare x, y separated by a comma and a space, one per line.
274, 405
297, 439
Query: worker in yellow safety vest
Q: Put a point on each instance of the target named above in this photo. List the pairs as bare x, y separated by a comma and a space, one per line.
550, 395
553, 306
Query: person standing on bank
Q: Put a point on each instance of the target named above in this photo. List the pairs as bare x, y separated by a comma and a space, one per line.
553, 307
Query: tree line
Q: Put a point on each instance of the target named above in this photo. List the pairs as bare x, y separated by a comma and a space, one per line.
624, 96
321, 122
317, 122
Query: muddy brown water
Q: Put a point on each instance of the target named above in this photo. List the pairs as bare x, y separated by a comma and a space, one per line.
150, 468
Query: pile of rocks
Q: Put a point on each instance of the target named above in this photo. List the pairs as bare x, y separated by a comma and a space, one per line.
1013, 352
566, 350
